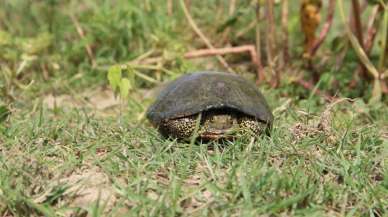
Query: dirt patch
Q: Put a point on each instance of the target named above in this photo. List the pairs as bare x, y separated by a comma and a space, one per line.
102, 99
53, 102
99, 99
323, 126
83, 189
89, 187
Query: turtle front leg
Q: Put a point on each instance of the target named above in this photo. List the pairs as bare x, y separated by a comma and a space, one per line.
180, 128
252, 125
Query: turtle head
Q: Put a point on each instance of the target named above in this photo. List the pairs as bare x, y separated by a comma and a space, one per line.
217, 125
214, 124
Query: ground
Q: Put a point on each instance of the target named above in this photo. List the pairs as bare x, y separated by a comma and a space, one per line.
71, 146
71, 157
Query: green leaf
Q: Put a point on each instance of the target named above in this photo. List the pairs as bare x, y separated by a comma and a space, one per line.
131, 77
114, 77
125, 86
4, 113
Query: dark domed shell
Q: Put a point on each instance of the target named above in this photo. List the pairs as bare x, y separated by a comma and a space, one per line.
197, 92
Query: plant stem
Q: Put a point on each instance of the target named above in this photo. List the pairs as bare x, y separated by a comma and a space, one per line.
286, 54
170, 5
271, 42
357, 21
384, 39
270, 31
260, 70
201, 35
325, 28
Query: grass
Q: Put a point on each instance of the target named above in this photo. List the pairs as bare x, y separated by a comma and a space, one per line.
69, 157
297, 171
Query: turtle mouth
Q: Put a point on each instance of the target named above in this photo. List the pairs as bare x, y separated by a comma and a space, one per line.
215, 136
218, 134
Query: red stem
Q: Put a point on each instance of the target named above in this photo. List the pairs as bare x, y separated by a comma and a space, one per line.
325, 28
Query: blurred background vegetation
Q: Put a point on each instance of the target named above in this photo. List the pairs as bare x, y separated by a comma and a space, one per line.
51, 43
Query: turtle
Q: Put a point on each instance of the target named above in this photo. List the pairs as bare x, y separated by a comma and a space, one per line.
212, 104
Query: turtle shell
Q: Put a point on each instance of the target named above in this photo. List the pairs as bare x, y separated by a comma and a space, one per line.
202, 91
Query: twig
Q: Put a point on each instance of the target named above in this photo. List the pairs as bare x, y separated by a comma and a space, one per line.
357, 21
151, 67
82, 34
232, 7
143, 56
368, 43
270, 31
363, 57
275, 80
357, 47
310, 19
147, 58
351, 14
371, 30
169, 7
260, 70
384, 44
222, 51
201, 35
188, 4
151, 60
325, 29
286, 55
